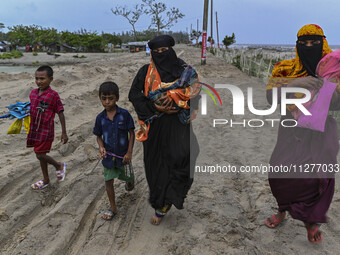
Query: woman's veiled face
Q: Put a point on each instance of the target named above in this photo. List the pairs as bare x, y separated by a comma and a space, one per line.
161, 49
309, 43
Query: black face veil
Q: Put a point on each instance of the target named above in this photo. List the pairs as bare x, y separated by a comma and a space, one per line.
310, 55
166, 62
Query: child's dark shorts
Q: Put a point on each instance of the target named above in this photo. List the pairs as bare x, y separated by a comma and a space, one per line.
42, 147
117, 172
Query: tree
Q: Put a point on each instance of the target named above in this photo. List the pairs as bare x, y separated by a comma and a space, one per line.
70, 38
110, 38
229, 40
131, 15
45, 36
161, 17
21, 35
179, 37
195, 35
2, 35
145, 35
95, 43
209, 40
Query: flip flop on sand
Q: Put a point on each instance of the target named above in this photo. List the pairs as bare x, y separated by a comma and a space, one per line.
39, 185
108, 215
273, 221
61, 174
314, 235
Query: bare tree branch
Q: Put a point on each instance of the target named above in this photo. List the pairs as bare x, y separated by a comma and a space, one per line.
159, 19
131, 15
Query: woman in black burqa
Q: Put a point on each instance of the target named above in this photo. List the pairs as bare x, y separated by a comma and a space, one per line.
170, 147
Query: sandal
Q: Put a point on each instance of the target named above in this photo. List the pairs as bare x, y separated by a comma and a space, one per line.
61, 174
312, 233
274, 221
109, 215
39, 185
129, 186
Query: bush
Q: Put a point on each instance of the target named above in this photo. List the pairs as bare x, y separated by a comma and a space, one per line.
229, 40
35, 53
12, 54
237, 62
16, 53
6, 55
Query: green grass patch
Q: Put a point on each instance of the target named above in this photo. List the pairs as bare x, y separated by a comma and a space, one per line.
11, 54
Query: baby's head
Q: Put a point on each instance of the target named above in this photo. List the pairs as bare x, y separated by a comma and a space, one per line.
109, 94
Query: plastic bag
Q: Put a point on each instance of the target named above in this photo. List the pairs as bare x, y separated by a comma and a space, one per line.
128, 175
15, 128
27, 122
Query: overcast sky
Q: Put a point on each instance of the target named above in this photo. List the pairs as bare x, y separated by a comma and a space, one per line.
252, 21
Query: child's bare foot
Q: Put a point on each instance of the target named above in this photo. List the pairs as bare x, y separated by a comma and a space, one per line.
275, 220
314, 234
155, 220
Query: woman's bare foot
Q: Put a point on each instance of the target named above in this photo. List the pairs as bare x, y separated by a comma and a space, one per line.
275, 220
155, 220
314, 234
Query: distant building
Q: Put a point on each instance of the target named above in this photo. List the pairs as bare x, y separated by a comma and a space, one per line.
5, 46
134, 46
63, 47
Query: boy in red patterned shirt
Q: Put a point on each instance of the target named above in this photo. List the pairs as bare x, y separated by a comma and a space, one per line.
45, 103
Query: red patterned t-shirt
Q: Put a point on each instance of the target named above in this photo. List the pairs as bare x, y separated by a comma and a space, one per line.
43, 110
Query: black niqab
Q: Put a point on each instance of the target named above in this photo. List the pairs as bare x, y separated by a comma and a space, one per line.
310, 55
167, 63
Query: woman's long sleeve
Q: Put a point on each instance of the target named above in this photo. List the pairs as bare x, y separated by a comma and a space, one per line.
144, 107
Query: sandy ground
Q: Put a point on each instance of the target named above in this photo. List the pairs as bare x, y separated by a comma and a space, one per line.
224, 213
28, 59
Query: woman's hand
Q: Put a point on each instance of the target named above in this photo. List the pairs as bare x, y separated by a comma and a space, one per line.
308, 82
166, 106
166, 109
